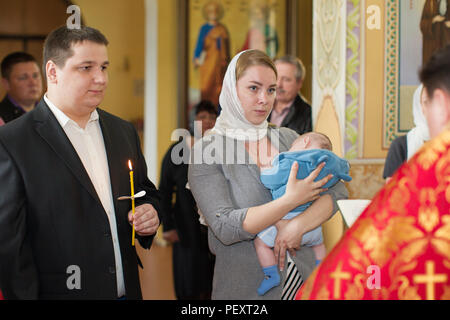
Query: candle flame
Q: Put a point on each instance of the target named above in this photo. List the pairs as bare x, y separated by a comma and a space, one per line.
129, 165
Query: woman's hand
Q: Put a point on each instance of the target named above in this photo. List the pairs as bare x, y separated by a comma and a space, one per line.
300, 191
289, 238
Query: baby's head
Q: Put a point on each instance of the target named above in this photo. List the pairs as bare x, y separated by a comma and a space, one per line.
311, 140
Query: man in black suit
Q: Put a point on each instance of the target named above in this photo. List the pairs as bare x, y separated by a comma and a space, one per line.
22, 81
290, 109
63, 233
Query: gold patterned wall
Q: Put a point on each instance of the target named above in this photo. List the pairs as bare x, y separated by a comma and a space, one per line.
328, 94
367, 180
348, 95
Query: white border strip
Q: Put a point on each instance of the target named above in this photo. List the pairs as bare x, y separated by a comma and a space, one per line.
151, 88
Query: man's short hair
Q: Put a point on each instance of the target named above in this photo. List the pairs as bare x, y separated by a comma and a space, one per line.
297, 63
12, 59
59, 42
435, 74
207, 106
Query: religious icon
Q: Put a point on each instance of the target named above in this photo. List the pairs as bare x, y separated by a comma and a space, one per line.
219, 29
212, 52
435, 26
262, 35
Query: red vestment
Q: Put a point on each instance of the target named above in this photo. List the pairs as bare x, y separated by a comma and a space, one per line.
399, 248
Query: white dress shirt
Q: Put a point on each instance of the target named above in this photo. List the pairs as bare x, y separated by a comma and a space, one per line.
90, 147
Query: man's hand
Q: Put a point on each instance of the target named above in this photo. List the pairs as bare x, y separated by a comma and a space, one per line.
146, 221
447, 24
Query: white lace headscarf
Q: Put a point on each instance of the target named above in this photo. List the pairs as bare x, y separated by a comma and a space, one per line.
418, 135
232, 122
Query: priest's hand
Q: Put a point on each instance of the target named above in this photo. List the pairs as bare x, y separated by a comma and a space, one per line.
145, 219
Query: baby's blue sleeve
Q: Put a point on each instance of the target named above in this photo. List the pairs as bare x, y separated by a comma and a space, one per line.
277, 176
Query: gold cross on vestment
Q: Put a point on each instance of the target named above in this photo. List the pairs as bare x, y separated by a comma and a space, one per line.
338, 275
430, 278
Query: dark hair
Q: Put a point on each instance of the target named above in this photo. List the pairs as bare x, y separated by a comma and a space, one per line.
207, 106
12, 59
58, 44
435, 74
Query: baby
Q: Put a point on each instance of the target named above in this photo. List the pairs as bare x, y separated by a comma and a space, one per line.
309, 150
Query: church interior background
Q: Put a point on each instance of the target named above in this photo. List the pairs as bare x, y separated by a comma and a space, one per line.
360, 92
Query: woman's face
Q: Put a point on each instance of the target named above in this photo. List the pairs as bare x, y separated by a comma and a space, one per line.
256, 90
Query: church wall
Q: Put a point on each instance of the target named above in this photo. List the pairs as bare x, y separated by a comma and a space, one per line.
123, 23
355, 74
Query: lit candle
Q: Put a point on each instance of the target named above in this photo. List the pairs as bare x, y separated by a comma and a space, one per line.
132, 198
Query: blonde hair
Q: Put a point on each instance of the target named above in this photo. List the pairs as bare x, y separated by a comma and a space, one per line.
251, 58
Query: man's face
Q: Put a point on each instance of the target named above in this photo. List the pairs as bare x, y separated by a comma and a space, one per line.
287, 85
81, 83
25, 83
436, 110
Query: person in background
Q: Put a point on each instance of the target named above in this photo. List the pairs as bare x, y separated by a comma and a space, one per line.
290, 109
21, 78
399, 246
404, 147
193, 263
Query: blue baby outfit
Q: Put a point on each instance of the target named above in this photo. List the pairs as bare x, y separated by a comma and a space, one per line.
277, 176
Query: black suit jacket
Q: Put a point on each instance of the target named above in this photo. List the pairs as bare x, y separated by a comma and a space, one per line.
51, 217
8, 111
299, 117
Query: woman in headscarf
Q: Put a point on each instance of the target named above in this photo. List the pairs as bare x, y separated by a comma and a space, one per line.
403, 148
224, 177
